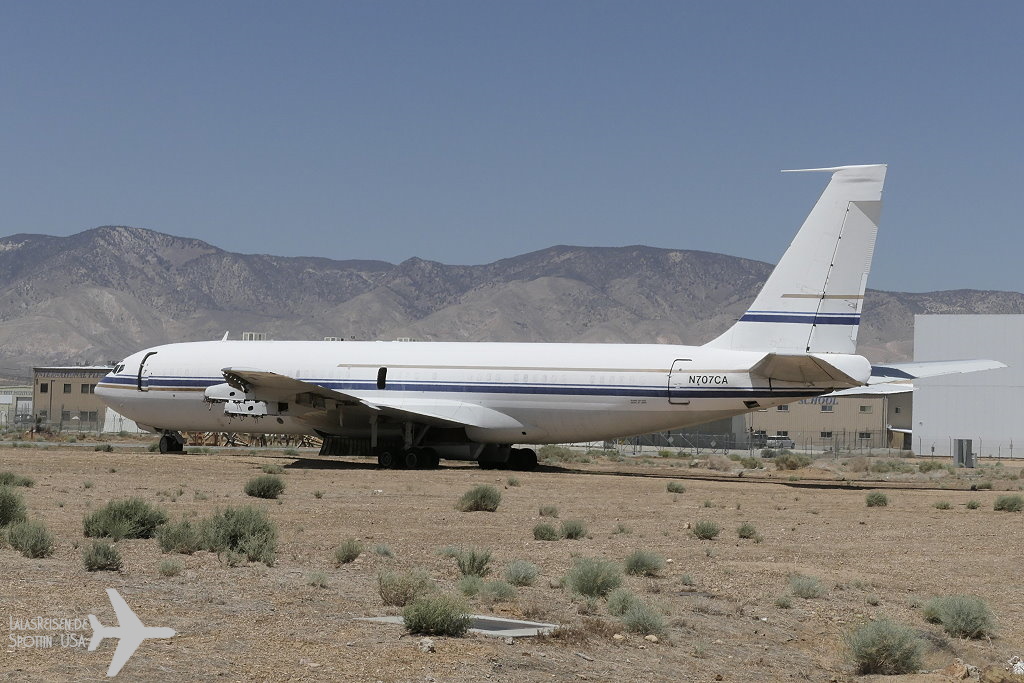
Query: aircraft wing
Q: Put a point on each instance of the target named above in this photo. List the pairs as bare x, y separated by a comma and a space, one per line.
437, 412
126, 646
903, 372
126, 618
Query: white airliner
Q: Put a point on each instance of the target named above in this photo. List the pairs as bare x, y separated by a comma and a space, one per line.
130, 632
410, 403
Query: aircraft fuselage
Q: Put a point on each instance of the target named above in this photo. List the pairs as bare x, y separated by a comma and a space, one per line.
550, 393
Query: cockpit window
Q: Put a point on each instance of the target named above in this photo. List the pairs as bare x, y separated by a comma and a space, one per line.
118, 368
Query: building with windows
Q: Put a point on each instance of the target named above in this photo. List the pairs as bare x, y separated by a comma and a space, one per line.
863, 418
64, 398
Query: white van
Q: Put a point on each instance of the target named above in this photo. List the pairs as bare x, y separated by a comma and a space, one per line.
778, 442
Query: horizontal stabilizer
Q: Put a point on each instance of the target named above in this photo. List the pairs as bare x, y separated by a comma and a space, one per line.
804, 369
904, 372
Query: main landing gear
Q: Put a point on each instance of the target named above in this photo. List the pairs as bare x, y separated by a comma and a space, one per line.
172, 442
409, 459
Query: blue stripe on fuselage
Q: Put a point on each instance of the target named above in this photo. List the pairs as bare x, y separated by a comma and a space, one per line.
171, 383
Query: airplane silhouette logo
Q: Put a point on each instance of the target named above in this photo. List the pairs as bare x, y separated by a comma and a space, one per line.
130, 632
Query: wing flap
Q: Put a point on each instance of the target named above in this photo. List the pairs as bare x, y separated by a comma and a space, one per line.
450, 412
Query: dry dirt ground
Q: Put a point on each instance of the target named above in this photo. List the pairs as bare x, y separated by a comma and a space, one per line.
269, 623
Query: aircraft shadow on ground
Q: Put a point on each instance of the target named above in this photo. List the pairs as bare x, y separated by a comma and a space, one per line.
369, 464
326, 464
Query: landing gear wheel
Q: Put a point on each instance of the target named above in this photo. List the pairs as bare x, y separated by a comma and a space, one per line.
527, 460
171, 443
386, 459
411, 459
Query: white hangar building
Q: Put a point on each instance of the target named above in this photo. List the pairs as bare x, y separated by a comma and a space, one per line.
987, 406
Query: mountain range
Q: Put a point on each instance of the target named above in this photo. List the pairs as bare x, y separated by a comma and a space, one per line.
101, 294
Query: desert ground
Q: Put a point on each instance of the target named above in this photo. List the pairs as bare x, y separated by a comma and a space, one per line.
720, 597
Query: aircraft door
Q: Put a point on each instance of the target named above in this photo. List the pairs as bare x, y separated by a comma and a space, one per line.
677, 381
145, 370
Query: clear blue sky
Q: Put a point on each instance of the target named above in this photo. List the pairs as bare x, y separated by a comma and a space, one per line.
465, 132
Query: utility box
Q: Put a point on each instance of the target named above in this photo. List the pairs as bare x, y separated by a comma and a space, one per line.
962, 453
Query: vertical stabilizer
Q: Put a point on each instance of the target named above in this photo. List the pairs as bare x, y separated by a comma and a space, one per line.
812, 301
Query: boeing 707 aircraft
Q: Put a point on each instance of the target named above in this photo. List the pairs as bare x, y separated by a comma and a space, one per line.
411, 403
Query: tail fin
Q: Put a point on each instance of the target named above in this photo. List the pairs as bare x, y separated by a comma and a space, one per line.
97, 629
812, 301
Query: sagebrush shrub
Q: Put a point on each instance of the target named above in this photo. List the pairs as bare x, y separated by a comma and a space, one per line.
479, 498
470, 586
787, 460
1014, 503
961, 616
574, 529
178, 538
398, 589
620, 600
644, 619
437, 615
876, 499
169, 568
548, 511
12, 506
521, 573
348, 551
30, 538
706, 530
805, 586
546, 532
747, 530
497, 591
101, 556
474, 561
241, 530
675, 487
264, 486
593, 577
127, 518
644, 563
8, 478
883, 647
